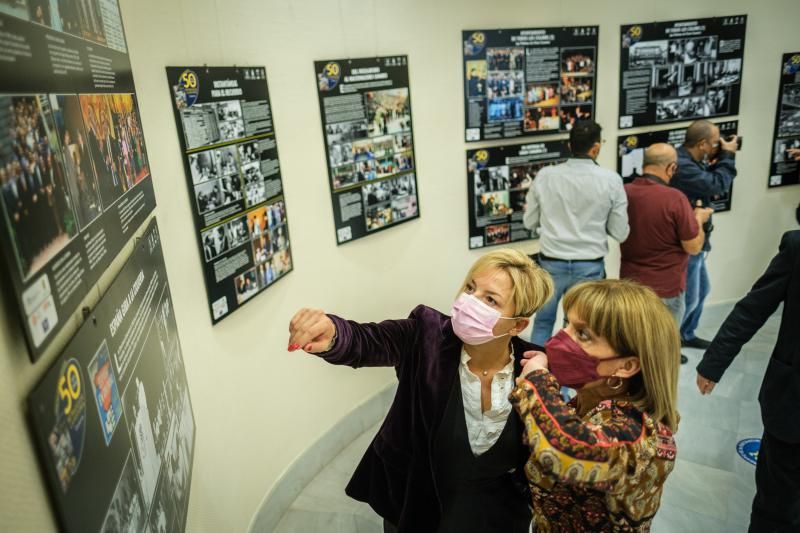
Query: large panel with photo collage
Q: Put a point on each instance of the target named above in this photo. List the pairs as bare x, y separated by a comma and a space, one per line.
680, 70
785, 157
498, 181
523, 82
74, 175
365, 105
630, 155
224, 119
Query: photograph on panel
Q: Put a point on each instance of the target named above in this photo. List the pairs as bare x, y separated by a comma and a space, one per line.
236, 232
576, 90
215, 242
780, 153
569, 115
106, 391
246, 286
542, 94
692, 50
40, 198
541, 119
229, 120
388, 111
577, 61
477, 73
126, 512
497, 234
505, 58
203, 167
648, 54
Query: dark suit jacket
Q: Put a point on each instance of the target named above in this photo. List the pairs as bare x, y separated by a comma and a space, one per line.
396, 475
780, 390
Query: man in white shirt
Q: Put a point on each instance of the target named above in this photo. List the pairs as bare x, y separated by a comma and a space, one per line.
573, 207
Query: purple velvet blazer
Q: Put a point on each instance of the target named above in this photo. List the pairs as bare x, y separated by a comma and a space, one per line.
396, 476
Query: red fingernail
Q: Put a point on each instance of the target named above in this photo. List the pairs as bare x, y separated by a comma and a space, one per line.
293, 347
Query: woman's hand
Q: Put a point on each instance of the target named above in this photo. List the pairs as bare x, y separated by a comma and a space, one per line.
311, 330
534, 360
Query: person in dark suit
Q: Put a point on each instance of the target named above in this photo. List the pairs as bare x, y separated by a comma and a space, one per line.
776, 506
449, 457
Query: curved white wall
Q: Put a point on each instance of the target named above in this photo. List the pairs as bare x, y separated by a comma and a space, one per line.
258, 407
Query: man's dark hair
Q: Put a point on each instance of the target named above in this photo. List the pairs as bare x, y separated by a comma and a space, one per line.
583, 136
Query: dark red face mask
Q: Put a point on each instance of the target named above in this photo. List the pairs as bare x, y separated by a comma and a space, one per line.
569, 363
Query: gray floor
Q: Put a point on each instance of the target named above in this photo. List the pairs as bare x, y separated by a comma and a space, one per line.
710, 490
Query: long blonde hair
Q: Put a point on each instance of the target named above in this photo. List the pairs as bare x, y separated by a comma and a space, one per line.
635, 322
532, 285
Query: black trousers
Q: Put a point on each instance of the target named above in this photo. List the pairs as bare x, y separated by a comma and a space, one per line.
388, 527
776, 506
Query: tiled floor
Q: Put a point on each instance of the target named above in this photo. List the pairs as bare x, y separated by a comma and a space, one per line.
710, 490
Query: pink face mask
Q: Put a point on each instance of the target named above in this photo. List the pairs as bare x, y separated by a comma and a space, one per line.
569, 363
474, 321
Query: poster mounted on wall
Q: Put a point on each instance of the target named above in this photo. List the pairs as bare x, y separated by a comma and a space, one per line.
784, 168
365, 105
630, 155
523, 82
230, 155
680, 70
112, 418
498, 180
75, 180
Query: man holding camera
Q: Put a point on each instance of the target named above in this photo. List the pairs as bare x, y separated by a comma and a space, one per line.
706, 168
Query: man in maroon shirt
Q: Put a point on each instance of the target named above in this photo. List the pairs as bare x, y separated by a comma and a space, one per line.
664, 230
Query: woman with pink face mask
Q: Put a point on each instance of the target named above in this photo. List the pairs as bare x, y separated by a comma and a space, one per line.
449, 456
599, 462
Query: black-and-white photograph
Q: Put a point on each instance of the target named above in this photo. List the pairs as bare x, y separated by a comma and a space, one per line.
683, 108
249, 152
231, 189
648, 54
780, 153
505, 58
208, 196
199, 125
227, 160
256, 193
203, 166
340, 153
502, 84
215, 242
377, 193
678, 81
252, 173
789, 123
126, 511
723, 73
692, 50
346, 131
236, 232
791, 96
491, 179
138, 416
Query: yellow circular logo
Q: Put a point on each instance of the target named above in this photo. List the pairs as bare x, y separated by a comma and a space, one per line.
632, 141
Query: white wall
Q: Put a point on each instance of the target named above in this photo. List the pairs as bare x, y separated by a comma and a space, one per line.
257, 406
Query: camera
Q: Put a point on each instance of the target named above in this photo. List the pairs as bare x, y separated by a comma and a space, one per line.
729, 138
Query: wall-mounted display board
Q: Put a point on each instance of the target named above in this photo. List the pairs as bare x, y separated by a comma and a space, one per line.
498, 180
630, 154
680, 70
784, 168
74, 176
365, 106
533, 81
230, 154
112, 418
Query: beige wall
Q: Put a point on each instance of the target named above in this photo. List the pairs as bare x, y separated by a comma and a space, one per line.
257, 406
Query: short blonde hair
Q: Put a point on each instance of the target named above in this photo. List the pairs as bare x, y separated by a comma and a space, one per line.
635, 322
531, 285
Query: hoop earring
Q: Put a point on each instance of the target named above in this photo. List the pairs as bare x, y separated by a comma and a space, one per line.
614, 387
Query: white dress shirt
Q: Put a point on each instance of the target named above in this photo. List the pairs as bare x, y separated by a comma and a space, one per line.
573, 206
484, 428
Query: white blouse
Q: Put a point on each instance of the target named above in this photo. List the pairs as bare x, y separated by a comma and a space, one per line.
484, 428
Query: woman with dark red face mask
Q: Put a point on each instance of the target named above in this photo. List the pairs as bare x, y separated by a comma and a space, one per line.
599, 462
449, 456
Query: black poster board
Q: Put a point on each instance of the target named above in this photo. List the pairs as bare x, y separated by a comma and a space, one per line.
74, 177
524, 82
498, 180
630, 154
112, 418
680, 70
365, 105
224, 120
784, 169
